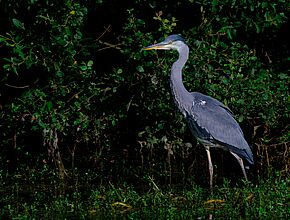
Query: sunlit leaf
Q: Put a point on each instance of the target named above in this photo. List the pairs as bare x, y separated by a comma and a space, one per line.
18, 24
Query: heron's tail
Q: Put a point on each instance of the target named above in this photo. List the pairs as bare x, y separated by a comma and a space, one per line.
246, 154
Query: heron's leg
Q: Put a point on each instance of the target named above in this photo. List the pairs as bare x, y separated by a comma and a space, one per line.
210, 167
241, 164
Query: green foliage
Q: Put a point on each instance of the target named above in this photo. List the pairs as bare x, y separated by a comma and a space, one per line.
221, 66
57, 45
76, 199
54, 55
167, 25
56, 88
253, 17
77, 88
232, 73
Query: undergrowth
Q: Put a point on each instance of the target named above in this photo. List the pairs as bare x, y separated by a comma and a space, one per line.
78, 198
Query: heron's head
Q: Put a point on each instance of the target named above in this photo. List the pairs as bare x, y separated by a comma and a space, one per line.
173, 42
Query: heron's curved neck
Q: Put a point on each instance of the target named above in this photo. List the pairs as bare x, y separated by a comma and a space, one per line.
179, 92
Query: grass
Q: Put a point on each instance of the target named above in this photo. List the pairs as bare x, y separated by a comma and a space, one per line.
29, 197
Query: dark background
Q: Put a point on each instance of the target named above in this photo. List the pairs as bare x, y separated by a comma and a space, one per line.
78, 92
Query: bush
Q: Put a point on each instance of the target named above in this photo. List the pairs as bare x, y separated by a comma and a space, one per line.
57, 93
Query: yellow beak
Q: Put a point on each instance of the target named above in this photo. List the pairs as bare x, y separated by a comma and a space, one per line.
159, 46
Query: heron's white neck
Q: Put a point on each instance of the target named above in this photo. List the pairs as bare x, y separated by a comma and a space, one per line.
180, 94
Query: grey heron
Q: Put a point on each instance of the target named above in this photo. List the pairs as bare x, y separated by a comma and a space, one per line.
210, 121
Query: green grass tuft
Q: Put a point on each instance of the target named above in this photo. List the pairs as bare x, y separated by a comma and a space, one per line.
269, 199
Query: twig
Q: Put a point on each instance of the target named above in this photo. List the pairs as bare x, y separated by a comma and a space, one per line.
154, 184
74, 96
107, 29
116, 46
16, 87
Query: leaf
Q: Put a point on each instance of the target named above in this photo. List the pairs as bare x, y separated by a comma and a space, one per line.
90, 63
241, 118
258, 29
49, 105
7, 67
140, 69
2, 39
83, 68
283, 76
18, 24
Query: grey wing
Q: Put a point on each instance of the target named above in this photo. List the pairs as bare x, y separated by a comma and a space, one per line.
215, 123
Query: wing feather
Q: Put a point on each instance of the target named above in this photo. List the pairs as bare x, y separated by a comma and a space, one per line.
211, 120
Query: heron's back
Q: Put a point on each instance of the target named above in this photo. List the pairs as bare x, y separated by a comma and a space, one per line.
212, 123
